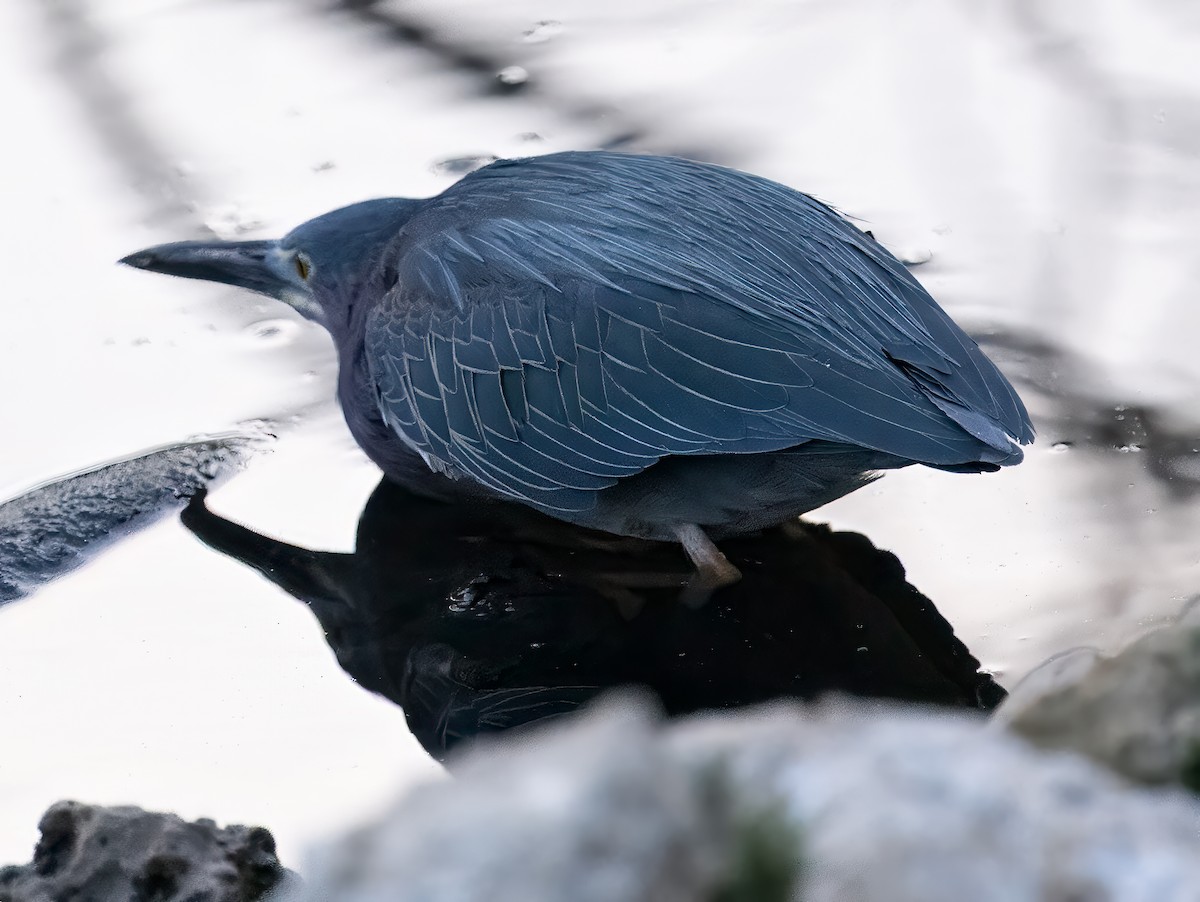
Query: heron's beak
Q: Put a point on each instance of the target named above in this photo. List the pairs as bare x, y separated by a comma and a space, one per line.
246, 264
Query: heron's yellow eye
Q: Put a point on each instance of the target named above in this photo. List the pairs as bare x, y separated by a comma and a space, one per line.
303, 267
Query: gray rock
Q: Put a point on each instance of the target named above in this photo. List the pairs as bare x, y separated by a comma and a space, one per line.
60, 525
1137, 712
92, 854
836, 803
593, 814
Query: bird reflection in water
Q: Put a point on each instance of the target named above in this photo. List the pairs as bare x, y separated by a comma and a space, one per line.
478, 618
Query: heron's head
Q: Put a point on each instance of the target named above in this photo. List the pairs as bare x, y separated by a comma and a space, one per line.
318, 268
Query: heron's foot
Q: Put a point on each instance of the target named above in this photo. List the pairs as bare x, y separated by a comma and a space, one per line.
713, 569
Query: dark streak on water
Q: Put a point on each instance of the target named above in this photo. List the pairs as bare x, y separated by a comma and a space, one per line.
127, 140
627, 132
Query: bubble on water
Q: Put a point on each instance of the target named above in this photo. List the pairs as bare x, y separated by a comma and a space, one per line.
1061, 447
512, 76
272, 332
542, 31
464, 598
463, 165
229, 221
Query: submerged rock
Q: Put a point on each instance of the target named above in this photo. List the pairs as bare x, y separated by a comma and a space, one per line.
1137, 712
92, 854
823, 804
60, 525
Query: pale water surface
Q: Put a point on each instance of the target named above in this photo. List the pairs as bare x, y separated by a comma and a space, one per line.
1041, 155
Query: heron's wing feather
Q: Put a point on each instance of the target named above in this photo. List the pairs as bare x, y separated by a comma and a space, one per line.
758, 246
549, 355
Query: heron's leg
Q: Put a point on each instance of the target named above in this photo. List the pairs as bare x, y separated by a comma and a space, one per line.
713, 569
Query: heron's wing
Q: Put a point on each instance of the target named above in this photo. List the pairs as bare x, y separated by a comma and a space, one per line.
551, 353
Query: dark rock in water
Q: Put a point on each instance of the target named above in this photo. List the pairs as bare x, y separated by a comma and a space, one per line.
56, 527
480, 618
94, 854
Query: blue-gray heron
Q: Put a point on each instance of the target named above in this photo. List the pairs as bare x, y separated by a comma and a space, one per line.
643, 345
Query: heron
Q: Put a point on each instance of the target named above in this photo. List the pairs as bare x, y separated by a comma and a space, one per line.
643, 345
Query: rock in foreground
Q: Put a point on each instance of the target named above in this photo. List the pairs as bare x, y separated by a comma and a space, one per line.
93, 854
826, 804
1137, 712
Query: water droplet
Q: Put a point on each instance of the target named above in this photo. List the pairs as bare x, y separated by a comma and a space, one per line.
463, 165
512, 76
542, 31
1060, 447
